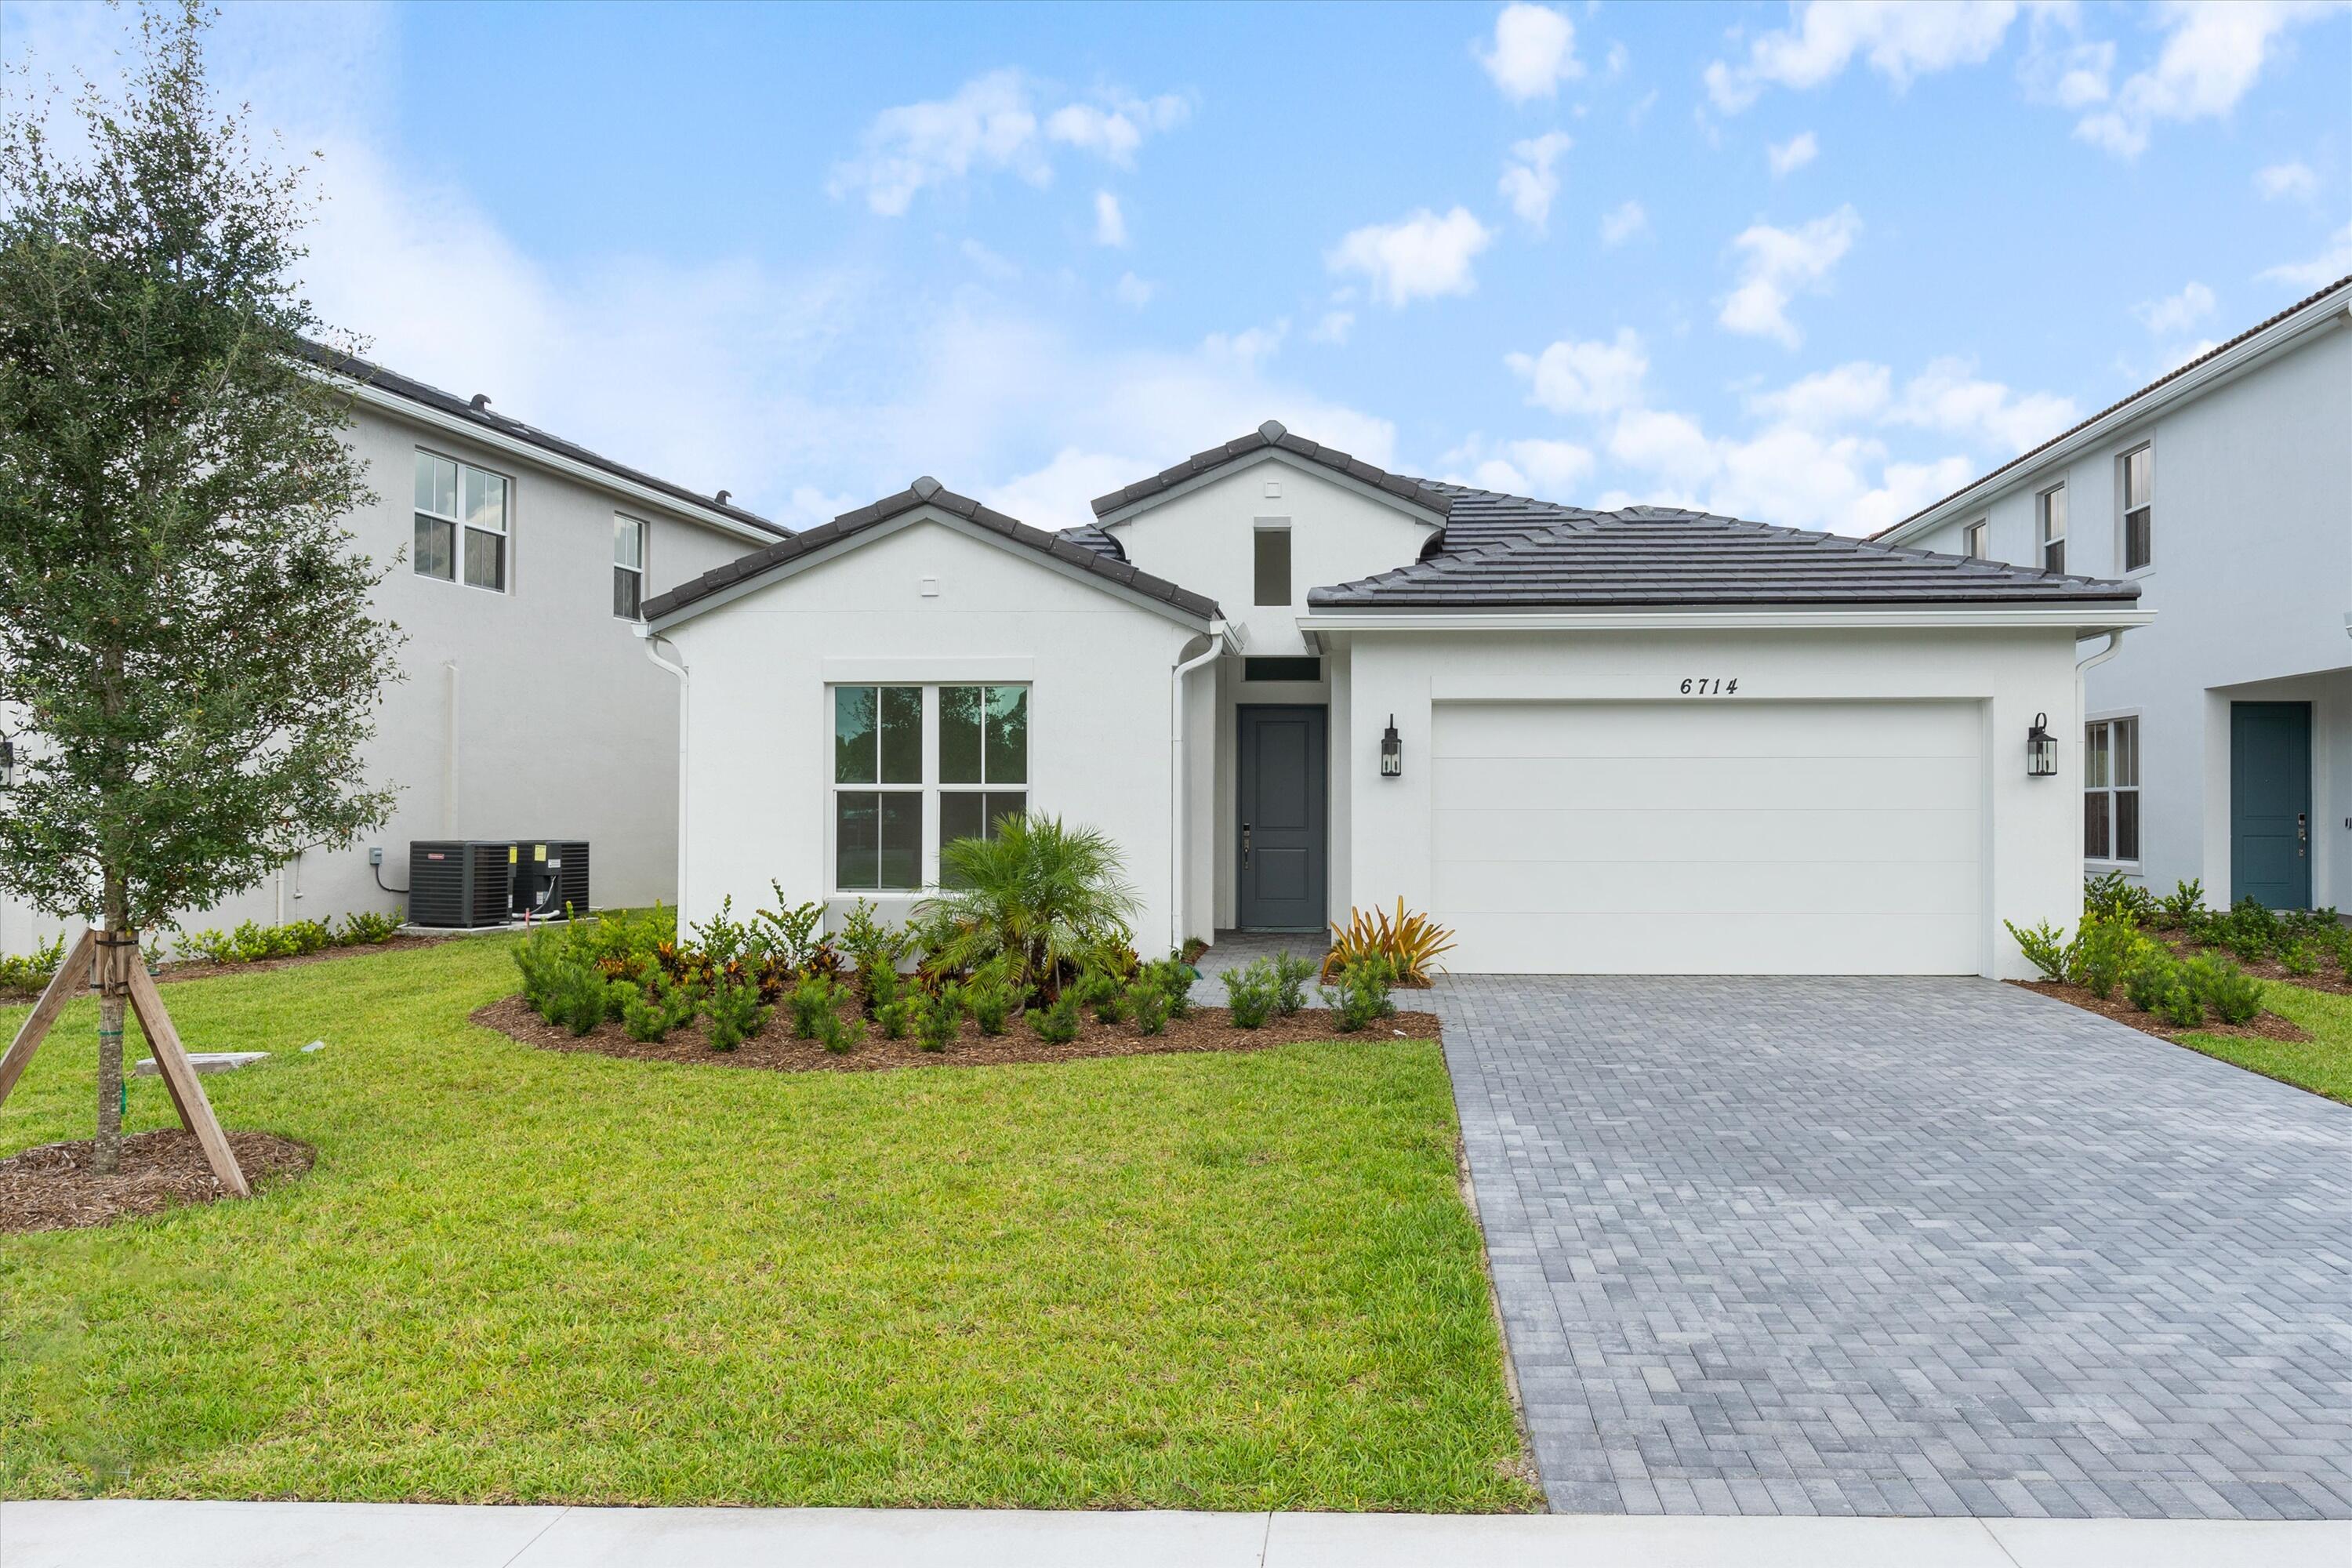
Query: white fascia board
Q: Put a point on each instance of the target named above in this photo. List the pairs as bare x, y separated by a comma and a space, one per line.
2084, 620
2323, 314
970, 530
1291, 460
602, 479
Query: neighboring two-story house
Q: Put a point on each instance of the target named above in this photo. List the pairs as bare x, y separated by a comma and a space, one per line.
2217, 742
526, 706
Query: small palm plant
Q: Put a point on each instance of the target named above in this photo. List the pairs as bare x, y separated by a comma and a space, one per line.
1040, 895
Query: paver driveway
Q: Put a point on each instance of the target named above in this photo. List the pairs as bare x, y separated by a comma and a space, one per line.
1904, 1247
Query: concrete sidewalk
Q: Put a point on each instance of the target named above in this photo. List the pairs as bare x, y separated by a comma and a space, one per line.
397, 1535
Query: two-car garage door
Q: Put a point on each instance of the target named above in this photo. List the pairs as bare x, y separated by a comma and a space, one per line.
1710, 837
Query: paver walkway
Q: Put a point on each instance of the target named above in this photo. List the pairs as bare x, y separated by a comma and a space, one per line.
1904, 1247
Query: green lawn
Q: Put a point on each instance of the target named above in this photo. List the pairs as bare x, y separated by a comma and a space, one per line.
1218, 1282
2322, 1064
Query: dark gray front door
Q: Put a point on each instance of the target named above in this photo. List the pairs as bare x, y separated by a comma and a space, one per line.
2270, 804
1283, 848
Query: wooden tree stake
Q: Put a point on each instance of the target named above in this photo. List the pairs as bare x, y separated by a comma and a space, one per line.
117, 964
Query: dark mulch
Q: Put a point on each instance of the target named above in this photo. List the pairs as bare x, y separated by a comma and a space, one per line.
52, 1187
2326, 978
1204, 1029
2265, 1027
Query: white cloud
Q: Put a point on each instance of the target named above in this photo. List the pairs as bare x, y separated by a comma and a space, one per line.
1900, 39
1593, 377
1529, 181
1335, 327
1829, 399
1536, 466
1949, 398
2060, 66
2293, 178
1247, 347
1624, 223
989, 262
991, 123
1420, 257
2212, 56
2178, 312
1110, 224
1775, 264
1132, 290
1534, 51
1788, 157
1116, 128
2333, 262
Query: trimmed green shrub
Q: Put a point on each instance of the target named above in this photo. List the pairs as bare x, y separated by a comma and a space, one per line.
650, 1011
1362, 997
989, 996
580, 998
1291, 970
2112, 897
2102, 951
735, 1013
1148, 1002
31, 972
1251, 994
836, 1034
2187, 898
2300, 956
2148, 979
365, 928
1175, 979
1102, 991
938, 1018
2178, 1003
896, 1018
2045, 948
811, 1002
1057, 1025
2235, 997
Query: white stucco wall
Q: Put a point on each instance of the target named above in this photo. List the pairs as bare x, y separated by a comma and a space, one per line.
560, 726
923, 603
2252, 583
2032, 857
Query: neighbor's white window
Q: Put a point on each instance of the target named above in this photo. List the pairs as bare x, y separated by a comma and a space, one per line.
1973, 539
2051, 505
2111, 790
461, 521
2139, 508
896, 798
628, 567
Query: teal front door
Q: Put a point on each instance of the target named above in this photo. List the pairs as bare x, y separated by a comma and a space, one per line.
2270, 804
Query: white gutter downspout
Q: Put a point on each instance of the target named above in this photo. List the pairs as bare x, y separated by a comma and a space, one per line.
2083, 667
654, 642
1219, 632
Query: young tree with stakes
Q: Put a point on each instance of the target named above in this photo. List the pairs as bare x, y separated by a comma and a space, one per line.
185, 635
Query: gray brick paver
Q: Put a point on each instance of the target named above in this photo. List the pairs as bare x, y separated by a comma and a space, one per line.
1845, 1245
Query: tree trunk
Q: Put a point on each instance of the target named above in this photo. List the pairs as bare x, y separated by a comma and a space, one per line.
106, 1158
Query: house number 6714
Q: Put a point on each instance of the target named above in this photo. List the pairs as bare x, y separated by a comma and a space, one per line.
1710, 686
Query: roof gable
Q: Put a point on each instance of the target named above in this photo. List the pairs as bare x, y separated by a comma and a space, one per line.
926, 496
1268, 441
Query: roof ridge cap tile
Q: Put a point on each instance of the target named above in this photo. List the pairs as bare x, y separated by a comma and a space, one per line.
1410, 491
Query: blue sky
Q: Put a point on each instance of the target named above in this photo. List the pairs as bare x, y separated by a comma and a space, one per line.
1814, 265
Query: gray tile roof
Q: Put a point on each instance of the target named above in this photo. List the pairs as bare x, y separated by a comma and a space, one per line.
1413, 492
1095, 540
1508, 553
927, 491
449, 403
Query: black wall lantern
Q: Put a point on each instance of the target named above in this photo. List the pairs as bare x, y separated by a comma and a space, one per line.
1391, 753
8, 763
2041, 750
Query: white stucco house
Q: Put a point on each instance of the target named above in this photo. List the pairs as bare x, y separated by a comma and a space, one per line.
1288, 683
517, 564
2216, 743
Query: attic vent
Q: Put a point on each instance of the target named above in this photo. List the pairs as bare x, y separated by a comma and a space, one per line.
481, 403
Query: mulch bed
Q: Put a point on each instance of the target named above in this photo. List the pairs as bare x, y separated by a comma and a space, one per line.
774, 1048
2265, 1027
52, 1187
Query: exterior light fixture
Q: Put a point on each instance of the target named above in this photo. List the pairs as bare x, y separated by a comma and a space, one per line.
1391, 753
2041, 750
8, 763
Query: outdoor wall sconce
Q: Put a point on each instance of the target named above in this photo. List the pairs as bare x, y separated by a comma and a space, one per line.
1391, 753
7, 762
2041, 750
